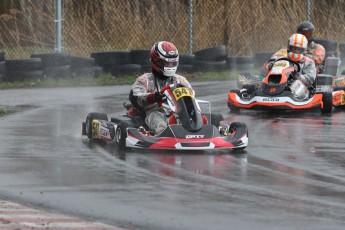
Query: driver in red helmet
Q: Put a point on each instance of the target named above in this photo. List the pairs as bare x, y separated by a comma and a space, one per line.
145, 91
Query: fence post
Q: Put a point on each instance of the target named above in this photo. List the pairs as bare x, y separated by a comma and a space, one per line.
190, 14
58, 27
308, 6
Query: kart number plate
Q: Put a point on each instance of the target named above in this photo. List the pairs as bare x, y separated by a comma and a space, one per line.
182, 92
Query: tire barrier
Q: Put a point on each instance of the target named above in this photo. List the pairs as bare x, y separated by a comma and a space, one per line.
55, 65
2, 70
2, 56
23, 70
135, 62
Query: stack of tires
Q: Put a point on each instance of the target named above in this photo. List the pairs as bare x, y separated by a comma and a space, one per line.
2, 65
119, 62
84, 67
23, 70
141, 58
186, 63
54, 65
211, 59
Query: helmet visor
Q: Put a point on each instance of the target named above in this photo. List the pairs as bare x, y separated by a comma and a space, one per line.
296, 50
307, 33
170, 62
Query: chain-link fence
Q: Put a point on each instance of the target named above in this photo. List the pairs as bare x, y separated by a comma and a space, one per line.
243, 26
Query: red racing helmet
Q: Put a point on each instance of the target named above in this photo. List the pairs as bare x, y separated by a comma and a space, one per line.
164, 58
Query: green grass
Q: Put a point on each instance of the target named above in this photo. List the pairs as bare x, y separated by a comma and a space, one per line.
107, 79
3, 111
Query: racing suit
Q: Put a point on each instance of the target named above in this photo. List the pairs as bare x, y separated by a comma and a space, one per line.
316, 52
308, 69
146, 84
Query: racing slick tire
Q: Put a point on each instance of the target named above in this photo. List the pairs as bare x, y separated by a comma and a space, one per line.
233, 127
327, 102
88, 124
216, 118
120, 136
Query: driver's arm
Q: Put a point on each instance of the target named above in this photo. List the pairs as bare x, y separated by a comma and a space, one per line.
309, 71
140, 92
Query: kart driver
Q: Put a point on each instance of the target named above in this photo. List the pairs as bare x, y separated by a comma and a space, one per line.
315, 51
145, 91
296, 51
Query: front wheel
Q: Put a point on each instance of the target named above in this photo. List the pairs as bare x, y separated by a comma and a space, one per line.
89, 119
120, 136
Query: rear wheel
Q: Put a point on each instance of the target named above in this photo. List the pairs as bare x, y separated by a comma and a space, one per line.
88, 124
120, 136
327, 102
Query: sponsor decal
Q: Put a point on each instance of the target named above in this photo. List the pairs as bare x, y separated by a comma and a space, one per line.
270, 99
192, 136
281, 64
182, 92
104, 132
337, 97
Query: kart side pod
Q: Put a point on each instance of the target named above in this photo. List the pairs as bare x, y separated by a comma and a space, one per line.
324, 83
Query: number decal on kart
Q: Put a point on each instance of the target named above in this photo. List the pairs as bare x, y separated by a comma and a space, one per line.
182, 92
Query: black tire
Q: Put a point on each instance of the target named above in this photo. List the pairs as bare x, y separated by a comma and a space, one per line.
141, 57
28, 64
2, 70
2, 56
244, 60
209, 66
217, 53
186, 59
233, 127
327, 99
94, 71
53, 59
216, 118
58, 72
120, 136
117, 57
185, 68
80, 62
12, 76
127, 69
231, 63
88, 123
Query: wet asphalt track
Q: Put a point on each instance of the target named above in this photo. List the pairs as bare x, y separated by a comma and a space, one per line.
291, 176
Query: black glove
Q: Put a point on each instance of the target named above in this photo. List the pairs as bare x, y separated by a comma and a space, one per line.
154, 97
270, 66
295, 76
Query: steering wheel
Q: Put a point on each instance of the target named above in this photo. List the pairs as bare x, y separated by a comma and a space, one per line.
293, 62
